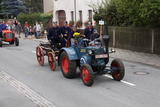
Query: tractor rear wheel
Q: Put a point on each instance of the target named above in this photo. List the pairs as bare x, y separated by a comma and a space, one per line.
68, 67
1, 43
52, 61
16, 41
118, 70
87, 75
40, 55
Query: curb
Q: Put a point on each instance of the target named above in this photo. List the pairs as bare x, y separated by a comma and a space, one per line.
142, 63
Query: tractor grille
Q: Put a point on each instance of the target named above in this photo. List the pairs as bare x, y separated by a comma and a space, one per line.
9, 36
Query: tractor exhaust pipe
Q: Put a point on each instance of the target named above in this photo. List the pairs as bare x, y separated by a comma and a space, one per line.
105, 41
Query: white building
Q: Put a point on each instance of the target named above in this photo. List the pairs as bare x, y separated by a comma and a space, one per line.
48, 6
73, 10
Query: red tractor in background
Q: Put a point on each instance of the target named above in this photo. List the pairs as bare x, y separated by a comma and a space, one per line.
8, 36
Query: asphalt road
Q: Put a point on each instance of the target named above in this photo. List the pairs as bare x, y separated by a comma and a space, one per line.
23, 83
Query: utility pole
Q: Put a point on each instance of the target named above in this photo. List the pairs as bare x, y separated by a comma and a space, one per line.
75, 10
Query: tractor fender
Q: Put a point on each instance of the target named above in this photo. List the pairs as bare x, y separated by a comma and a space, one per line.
71, 52
85, 60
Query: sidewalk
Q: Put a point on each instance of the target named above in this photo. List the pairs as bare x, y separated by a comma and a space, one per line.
32, 37
144, 58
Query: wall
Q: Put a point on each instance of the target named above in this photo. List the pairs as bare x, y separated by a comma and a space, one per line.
48, 5
68, 6
136, 39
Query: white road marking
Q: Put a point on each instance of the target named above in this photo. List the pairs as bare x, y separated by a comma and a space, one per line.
26, 91
34, 52
125, 82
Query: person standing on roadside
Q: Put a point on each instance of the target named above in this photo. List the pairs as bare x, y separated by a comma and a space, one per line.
42, 28
16, 26
38, 30
26, 29
19, 29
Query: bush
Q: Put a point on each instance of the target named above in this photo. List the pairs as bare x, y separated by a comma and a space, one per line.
129, 13
33, 17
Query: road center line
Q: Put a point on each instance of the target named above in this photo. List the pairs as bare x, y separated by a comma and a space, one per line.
125, 82
26, 91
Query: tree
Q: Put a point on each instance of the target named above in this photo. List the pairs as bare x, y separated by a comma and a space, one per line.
12, 8
1, 7
150, 13
34, 5
32, 18
129, 12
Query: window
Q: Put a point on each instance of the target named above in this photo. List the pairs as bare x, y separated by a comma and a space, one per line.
90, 15
72, 15
80, 15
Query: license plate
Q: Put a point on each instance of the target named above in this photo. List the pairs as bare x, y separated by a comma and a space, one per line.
102, 56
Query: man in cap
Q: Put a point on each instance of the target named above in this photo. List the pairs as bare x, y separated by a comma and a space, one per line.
88, 31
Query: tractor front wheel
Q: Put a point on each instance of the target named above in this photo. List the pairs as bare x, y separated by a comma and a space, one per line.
118, 70
87, 75
16, 41
68, 67
40, 55
52, 61
11, 43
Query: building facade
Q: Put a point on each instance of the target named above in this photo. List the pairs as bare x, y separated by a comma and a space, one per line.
73, 10
48, 6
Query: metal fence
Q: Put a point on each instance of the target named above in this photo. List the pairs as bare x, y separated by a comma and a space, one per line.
136, 39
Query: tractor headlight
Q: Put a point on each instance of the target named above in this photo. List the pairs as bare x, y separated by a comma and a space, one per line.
90, 52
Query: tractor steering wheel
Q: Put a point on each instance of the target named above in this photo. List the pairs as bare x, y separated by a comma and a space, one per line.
95, 42
84, 42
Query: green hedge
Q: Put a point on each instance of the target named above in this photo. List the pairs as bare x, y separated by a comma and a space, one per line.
33, 17
139, 13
